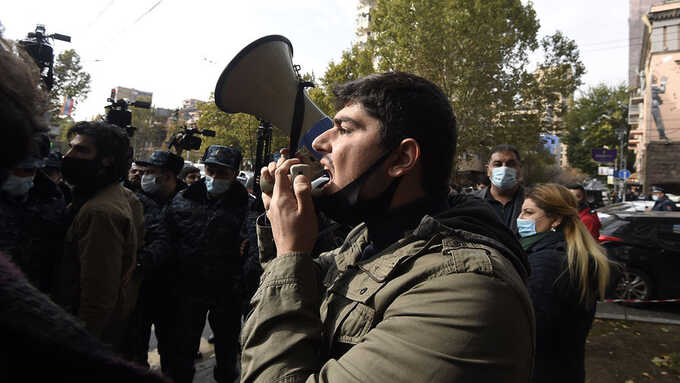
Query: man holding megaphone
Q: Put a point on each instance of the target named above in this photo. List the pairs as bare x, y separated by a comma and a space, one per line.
424, 288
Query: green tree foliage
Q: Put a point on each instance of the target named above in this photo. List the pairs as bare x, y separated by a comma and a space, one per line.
477, 52
150, 134
355, 63
70, 80
237, 130
592, 123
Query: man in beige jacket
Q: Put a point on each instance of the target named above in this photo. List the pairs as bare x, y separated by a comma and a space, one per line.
424, 289
94, 281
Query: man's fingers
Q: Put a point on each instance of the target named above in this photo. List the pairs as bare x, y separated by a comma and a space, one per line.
266, 182
303, 193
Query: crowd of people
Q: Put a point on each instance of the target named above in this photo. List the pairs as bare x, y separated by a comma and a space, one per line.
423, 285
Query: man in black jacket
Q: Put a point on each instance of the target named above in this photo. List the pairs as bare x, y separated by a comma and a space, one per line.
159, 185
204, 222
33, 221
505, 194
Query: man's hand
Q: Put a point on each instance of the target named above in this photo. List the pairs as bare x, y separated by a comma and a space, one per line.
290, 209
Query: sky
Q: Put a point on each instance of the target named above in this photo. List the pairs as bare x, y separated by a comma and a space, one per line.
177, 49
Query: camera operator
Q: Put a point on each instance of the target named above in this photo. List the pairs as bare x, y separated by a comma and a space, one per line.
159, 185
425, 289
204, 221
40, 341
101, 244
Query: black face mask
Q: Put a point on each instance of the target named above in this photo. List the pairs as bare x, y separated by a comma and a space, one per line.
80, 172
344, 205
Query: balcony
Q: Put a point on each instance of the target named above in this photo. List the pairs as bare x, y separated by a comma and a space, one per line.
634, 110
635, 132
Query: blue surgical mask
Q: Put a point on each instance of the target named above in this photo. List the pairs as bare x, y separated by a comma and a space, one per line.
526, 227
504, 177
655, 198
217, 186
149, 184
17, 186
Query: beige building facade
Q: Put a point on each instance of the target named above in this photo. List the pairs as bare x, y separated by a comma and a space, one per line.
654, 110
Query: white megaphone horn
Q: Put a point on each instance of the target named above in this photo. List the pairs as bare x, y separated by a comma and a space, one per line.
262, 81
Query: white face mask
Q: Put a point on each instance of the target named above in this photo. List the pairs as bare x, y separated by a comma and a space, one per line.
504, 177
149, 184
17, 186
217, 186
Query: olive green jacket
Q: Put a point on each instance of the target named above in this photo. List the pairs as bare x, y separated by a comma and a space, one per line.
437, 306
100, 251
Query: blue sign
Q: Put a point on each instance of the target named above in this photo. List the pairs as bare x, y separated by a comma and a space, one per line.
603, 155
625, 174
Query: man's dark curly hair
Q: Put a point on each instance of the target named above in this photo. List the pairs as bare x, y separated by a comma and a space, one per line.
110, 141
22, 104
409, 106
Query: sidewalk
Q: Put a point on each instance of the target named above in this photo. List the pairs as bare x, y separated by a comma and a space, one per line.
668, 313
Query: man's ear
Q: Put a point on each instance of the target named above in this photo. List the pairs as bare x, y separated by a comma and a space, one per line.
408, 155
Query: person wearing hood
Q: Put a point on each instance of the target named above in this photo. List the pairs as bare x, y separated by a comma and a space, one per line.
569, 273
204, 222
423, 289
100, 248
505, 194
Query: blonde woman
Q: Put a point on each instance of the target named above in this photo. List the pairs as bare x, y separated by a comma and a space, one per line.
569, 272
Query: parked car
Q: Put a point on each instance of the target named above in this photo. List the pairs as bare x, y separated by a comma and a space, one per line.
623, 207
647, 247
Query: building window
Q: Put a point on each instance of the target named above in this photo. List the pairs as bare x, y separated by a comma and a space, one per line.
665, 40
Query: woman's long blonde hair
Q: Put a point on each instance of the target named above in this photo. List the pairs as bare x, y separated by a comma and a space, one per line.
582, 249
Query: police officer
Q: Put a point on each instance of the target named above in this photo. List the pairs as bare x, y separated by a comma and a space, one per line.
204, 221
158, 185
33, 221
661, 200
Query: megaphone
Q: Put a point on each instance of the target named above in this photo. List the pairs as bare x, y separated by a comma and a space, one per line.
263, 82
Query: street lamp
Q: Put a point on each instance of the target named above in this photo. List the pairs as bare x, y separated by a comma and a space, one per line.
621, 134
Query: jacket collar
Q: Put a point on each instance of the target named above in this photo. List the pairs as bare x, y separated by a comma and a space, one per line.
428, 235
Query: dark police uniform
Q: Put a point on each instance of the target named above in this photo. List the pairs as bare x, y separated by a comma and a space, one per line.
206, 237
32, 230
663, 204
154, 271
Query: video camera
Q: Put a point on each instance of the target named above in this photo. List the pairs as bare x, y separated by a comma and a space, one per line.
186, 138
117, 112
38, 46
